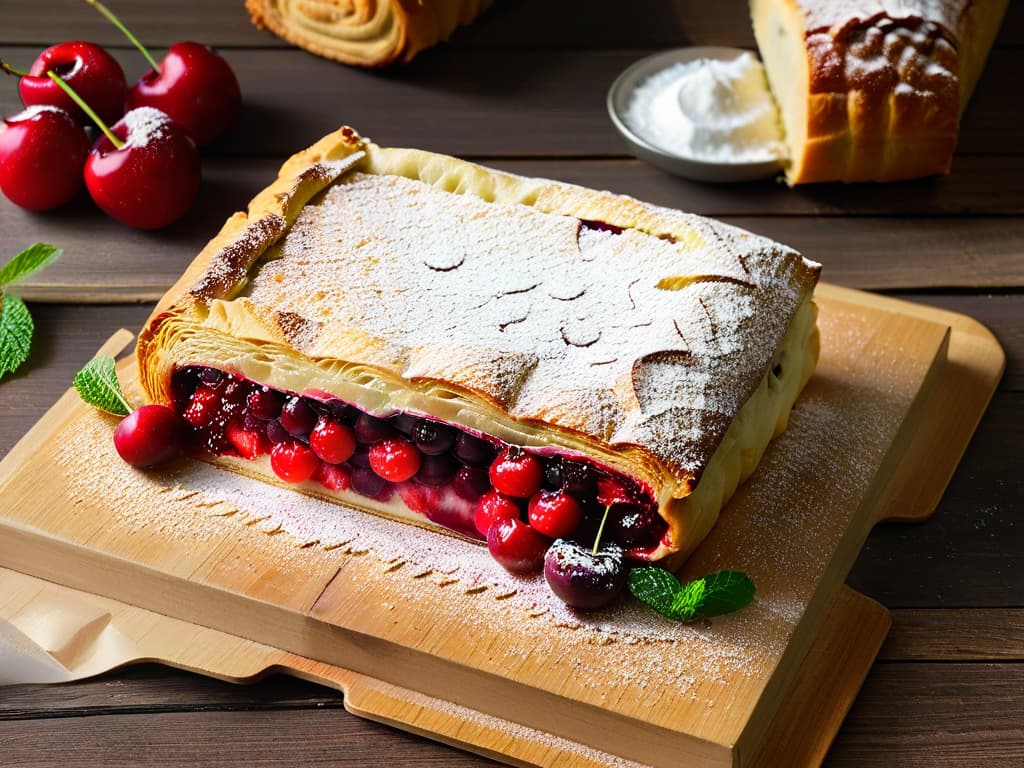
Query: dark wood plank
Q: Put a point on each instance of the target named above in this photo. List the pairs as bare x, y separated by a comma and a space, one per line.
971, 552
935, 714
511, 24
482, 103
150, 688
314, 737
1002, 314
955, 634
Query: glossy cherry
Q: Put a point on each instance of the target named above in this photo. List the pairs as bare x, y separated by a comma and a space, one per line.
395, 459
516, 546
152, 179
42, 153
249, 443
516, 473
332, 441
93, 73
149, 436
492, 507
195, 86
293, 462
555, 513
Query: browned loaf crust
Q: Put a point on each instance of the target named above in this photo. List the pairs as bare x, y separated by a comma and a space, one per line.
367, 33
873, 90
639, 348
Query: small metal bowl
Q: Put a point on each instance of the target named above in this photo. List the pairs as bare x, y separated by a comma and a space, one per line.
689, 167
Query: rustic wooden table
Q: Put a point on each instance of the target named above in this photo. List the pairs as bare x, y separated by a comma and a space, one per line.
523, 89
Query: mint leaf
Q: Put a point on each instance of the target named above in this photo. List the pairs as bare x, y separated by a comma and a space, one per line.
713, 595
98, 386
32, 259
725, 592
16, 329
654, 586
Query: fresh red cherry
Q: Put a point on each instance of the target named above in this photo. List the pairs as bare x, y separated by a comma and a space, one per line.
195, 86
332, 441
42, 153
152, 179
516, 546
293, 462
516, 473
491, 508
394, 459
202, 406
149, 436
333, 477
249, 443
93, 73
554, 513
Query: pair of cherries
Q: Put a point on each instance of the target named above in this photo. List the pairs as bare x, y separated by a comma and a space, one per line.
144, 170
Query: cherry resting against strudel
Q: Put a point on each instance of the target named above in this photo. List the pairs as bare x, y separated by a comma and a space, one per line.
427, 339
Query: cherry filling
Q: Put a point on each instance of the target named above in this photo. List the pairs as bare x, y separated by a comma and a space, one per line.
463, 481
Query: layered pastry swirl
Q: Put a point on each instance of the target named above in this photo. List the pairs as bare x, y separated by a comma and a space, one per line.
391, 302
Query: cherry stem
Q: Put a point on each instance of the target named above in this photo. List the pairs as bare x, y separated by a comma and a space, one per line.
85, 108
11, 70
600, 529
125, 31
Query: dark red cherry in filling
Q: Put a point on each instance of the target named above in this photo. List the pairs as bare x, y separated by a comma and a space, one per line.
293, 462
403, 423
516, 546
492, 507
367, 482
473, 451
334, 477
516, 473
470, 483
432, 437
298, 417
332, 441
395, 459
369, 429
635, 527
555, 513
249, 443
202, 407
582, 578
578, 478
149, 436
265, 403
436, 470
276, 433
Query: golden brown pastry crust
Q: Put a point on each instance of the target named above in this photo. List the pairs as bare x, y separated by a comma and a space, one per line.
296, 324
366, 33
883, 83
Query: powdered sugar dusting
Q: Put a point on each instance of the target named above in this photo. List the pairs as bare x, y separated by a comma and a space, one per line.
36, 109
145, 125
625, 336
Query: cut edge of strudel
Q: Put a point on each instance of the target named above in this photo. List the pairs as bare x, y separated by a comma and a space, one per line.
408, 333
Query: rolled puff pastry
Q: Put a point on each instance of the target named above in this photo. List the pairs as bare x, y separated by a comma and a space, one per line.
366, 33
667, 347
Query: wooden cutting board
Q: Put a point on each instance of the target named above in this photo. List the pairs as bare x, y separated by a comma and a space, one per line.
450, 652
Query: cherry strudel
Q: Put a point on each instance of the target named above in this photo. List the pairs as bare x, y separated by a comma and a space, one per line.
409, 334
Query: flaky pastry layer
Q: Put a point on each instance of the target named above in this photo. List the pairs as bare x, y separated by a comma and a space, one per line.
537, 312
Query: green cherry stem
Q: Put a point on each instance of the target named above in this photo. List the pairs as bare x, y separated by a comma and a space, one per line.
11, 70
85, 108
125, 31
600, 529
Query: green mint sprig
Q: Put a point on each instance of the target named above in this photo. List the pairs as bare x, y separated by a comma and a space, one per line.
16, 326
98, 386
712, 595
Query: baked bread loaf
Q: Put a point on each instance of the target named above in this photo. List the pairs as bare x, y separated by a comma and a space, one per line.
366, 33
641, 358
873, 90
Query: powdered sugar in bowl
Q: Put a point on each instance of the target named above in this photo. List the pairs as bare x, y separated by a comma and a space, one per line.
704, 113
